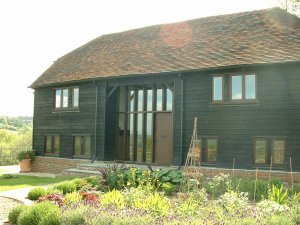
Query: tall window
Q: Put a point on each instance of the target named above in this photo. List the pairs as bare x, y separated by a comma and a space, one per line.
217, 88
137, 106
66, 98
211, 149
243, 87
52, 143
82, 145
269, 149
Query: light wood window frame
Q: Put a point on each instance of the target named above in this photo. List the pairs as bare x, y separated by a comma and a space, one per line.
213, 88
243, 99
272, 149
70, 104
206, 149
266, 151
52, 151
82, 144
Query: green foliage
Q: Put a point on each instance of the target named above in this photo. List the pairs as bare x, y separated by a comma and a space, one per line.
75, 216
191, 204
27, 154
52, 190
271, 207
15, 213
168, 188
234, 202
66, 186
113, 198
278, 195
35, 193
295, 214
44, 213
154, 202
218, 185
72, 198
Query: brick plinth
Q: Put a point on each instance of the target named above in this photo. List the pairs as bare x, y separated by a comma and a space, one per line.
54, 165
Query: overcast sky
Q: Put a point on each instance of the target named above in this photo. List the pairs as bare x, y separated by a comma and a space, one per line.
34, 33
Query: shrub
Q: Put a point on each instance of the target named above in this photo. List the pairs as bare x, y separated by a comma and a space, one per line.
113, 198
52, 190
75, 215
168, 188
234, 202
27, 154
72, 198
15, 213
90, 198
154, 202
43, 213
218, 185
66, 186
35, 193
267, 206
191, 204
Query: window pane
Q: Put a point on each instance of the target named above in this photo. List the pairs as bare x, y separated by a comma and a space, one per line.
250, 87
149, 100
212, 150
131, 136
278, 151
75, 97
121, 139
56, 143
77, 145
65, 98
260, 149
218, 88
236, 87
169, 99
87, 146
57, 98
140, 100
139, 157
159, 100
131, 100
48, 143
122, 99
149, 138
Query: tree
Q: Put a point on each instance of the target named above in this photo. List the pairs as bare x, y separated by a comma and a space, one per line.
292, 6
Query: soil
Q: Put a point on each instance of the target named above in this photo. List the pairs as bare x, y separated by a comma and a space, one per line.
6, 204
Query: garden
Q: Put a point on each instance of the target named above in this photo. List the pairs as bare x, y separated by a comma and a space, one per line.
128, 195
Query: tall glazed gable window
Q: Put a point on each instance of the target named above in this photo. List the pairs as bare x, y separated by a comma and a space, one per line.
66, 98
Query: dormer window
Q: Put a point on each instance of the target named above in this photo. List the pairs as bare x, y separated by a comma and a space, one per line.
66, 98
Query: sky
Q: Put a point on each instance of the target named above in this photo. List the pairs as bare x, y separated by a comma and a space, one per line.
34, 33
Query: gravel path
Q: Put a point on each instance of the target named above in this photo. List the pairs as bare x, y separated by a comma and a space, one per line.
6, 204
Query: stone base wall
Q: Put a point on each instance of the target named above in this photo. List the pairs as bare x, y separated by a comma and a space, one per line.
43, 164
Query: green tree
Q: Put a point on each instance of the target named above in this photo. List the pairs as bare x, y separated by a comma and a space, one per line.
292, 6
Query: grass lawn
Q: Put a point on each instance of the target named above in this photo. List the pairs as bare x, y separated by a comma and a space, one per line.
8, 182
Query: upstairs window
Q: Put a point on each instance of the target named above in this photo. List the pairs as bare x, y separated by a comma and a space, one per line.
66, 98
243, 87
228, 88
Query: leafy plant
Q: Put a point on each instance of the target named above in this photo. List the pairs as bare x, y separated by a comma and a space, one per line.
66, 186
15, 213
154, 202
113, 198
73, 197
53, 198
234, 202
27, 154
35, 193
269, 207
218, 185
192, 203
90, 198
278, 195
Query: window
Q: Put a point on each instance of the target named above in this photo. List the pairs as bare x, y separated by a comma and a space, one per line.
278, 149
66, 98
217, 88
52, 144
211, 150
267, 148
243, 87
260, 151
229, 88
82, 145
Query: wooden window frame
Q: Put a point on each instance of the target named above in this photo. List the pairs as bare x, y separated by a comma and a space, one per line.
213, 90
272, 150
82, 144
254, 150
52, 144
243, 99
70, 98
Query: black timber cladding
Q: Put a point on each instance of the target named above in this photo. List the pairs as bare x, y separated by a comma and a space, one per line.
275, 114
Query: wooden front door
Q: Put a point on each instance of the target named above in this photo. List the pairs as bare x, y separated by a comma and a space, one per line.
163, 139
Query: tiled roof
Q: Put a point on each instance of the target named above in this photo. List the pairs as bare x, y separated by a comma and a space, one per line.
256, 37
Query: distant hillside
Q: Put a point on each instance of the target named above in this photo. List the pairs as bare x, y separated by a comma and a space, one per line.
15, 123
